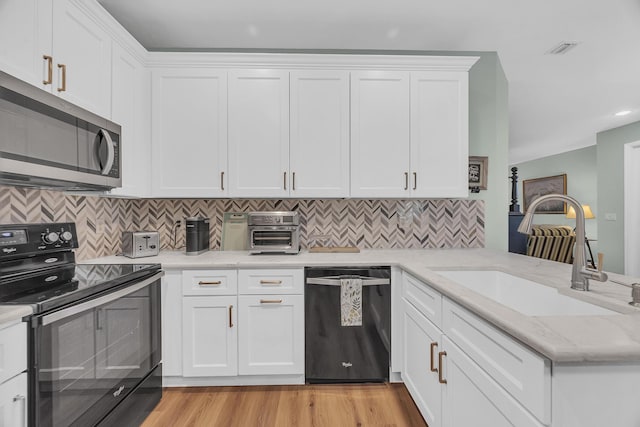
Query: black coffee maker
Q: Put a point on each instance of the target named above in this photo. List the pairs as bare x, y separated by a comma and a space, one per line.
197, 231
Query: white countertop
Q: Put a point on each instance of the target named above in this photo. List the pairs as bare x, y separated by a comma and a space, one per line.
10, 314
560, 338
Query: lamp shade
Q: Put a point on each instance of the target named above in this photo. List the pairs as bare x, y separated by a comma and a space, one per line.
571, 213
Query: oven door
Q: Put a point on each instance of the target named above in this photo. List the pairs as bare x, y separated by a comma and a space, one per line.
86, 358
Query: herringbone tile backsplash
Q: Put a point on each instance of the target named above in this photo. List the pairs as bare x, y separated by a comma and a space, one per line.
439, 223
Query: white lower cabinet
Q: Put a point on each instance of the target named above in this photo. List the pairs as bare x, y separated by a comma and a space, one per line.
468, 373
229, 338
420, 374
13, 401
209, 336
472, 397
13, 378
271, 335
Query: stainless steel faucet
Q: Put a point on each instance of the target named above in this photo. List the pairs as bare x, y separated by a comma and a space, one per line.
580, 274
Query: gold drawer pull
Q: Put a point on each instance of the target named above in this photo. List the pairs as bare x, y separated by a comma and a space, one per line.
63, 73
433, 345
440, 356
270, 301
49, 78
209, 282
271, 282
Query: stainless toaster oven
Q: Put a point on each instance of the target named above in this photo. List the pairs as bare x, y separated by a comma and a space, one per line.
274, 232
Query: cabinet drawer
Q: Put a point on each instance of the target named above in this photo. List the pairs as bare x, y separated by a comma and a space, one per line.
209, 282
523, 373
271, 281
424, 298
13, 351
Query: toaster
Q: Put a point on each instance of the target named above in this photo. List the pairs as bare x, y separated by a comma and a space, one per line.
138, 244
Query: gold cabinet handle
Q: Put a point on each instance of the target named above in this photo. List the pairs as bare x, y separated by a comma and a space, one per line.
431, 366
63, 71
222, 180
49, 60
209, 282
406, 180
270, 301
285, 180
415, 180
440, 357
231, 316
293, 180
270, 282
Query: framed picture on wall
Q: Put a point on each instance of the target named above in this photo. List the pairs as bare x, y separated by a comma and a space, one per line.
478, 172
534, 188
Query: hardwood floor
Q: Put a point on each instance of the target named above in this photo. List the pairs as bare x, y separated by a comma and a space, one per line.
281, 406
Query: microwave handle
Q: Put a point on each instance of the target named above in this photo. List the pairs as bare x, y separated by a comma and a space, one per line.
111, 152
79, 308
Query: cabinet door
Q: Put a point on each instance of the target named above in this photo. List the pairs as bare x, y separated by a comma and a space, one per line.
259, 133
271, 336
470, 388
82, 59
130, 105
25, 37
379, 134
13, 402
209, 336
439, 134
172, 324
13, 350
319, 133
189, 135
122, 329
421, 345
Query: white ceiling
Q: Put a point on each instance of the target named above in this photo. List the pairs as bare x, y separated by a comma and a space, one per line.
557, 103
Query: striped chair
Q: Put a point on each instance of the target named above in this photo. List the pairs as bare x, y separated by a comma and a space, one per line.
554, 242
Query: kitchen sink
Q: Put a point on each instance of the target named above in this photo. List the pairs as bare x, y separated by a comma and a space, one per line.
527, 297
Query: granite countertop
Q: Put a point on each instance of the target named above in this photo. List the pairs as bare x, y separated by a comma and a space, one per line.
601, 338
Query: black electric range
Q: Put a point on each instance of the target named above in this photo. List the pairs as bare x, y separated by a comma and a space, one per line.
97, 326
37, 268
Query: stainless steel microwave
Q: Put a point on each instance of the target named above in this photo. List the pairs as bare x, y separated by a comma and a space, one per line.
47, 142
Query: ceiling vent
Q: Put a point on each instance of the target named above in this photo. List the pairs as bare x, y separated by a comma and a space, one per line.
562, 48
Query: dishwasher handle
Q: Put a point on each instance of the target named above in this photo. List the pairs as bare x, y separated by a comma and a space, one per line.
335, 280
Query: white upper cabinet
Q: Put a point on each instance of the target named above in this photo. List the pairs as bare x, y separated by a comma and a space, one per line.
130, 108
82, 59
439, 134
319, 150
25, 39
259, 133
189, 132
380, 143
56, 46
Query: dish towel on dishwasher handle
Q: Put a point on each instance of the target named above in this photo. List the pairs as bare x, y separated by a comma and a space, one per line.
351, 302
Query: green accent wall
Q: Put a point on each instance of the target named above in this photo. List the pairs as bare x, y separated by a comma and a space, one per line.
489, 136
582, 182
610, 146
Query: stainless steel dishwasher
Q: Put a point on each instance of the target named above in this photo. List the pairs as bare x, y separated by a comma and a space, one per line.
335, 353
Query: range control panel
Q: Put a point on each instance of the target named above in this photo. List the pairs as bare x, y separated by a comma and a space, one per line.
27, 239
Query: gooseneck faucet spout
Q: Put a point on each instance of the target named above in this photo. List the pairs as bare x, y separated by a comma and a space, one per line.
580, 274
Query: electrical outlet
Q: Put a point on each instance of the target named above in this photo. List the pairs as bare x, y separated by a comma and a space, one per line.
610, 217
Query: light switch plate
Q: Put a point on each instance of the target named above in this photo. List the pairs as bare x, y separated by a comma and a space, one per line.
610, 217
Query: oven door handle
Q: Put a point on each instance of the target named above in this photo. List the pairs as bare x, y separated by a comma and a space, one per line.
88, 305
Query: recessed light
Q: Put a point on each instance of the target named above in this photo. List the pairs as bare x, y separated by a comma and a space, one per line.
623, 113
